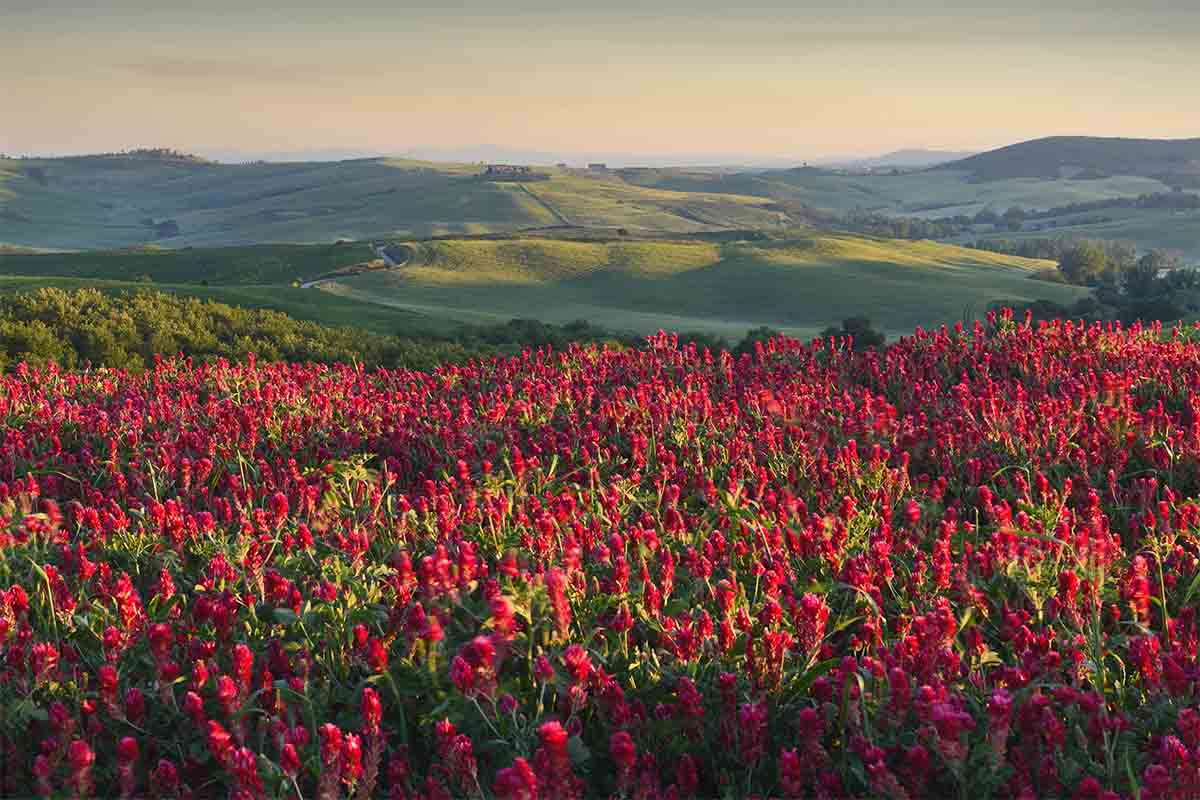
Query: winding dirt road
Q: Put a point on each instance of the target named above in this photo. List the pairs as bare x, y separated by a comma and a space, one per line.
393, 256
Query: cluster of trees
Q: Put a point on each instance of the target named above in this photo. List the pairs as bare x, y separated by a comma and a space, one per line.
1014, 218
1096, 262
1173, 201
152, 154
862, 334
1102, 263
1048, 248
1116, 265
875, 224
1154, 285
861, 329
1109, 305
85, 326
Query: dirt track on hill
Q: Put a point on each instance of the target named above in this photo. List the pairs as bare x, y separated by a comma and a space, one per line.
393, 257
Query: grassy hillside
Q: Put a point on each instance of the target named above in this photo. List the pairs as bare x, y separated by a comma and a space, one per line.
106, 202
1173, 161
934, 193
799, 284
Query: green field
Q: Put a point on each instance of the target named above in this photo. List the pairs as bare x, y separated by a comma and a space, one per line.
798, 284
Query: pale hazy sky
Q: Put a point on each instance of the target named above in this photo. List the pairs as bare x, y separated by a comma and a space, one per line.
760, 78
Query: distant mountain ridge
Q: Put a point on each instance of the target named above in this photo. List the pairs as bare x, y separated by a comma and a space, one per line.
1175, 162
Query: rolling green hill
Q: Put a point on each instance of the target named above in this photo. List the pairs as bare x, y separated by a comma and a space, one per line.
798, 284
115, 201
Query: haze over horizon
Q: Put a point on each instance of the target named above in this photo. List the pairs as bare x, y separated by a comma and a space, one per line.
767, 82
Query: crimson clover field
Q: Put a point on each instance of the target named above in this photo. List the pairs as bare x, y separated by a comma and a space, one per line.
965, 566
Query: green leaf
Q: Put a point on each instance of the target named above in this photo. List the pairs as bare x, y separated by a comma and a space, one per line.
1193, 588
285, 616
578, 751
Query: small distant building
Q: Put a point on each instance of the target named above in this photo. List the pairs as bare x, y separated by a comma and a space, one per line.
598, 166
506, 170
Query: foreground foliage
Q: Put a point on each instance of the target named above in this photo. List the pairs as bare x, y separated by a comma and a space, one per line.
131, 330
963, 566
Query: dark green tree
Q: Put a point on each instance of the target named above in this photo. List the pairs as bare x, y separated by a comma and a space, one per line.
1141, 279
1085, 263
860, 331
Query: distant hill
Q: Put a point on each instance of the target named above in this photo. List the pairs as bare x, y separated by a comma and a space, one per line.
1175, 162
174, 200
902, 159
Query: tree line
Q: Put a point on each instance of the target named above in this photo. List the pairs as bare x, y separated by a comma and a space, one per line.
1012, 219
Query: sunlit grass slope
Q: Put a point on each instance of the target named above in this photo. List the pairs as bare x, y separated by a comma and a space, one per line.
801, 284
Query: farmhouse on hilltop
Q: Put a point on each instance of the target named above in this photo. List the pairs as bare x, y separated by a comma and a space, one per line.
507, 169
